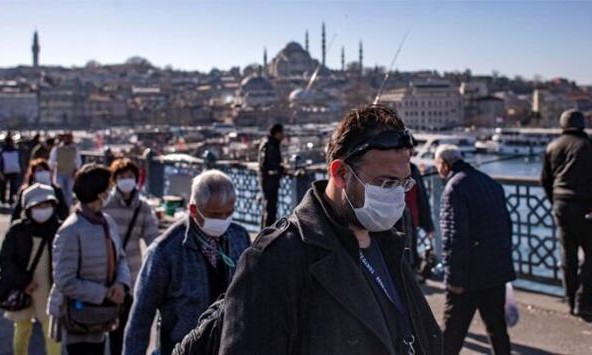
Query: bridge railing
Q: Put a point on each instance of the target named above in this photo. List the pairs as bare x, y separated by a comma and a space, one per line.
535, 245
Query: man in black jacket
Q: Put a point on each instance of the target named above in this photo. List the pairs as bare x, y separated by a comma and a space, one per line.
332, 278
567, 180
270, 173
477, 234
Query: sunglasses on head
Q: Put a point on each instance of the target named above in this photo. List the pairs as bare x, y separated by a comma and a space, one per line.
391, 139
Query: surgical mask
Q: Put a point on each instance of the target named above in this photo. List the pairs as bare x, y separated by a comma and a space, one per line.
126, 185
383, 207
43, 177
214, 227
41, 215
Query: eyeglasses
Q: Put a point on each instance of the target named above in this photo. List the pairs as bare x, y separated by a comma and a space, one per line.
391, 139
406, 183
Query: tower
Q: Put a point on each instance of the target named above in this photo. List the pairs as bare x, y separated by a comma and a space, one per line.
306, 41
35, 48
264, 58
323, 48
361, 58
342, 58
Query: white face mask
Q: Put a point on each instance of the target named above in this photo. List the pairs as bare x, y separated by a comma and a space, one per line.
43, 177
126, 185
41, 215
214, 227
383, 207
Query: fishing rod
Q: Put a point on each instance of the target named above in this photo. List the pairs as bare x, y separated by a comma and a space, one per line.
388, 73
313, 77
315, 74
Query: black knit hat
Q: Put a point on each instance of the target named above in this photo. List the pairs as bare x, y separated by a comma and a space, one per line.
572, 120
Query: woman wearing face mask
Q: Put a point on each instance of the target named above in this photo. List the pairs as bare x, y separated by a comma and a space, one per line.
38, 172
25, 263
136, 220
90, 270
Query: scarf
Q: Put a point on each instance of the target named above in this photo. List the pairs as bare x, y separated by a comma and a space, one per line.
97, 218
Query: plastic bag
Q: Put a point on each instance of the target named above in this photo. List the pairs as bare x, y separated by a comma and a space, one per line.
512, 312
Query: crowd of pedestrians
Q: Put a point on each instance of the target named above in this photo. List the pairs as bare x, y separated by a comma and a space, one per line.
332, 277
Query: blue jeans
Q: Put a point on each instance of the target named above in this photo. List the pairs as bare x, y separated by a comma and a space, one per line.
66, 182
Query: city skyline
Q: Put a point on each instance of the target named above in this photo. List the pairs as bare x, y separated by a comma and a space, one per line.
549, 39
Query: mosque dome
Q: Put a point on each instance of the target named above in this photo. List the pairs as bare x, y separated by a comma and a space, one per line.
256, 83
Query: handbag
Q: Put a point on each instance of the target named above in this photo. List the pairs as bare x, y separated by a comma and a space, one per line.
16, 299
86, 318
82, 318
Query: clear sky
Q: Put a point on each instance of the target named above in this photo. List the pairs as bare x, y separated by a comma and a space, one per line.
526, 38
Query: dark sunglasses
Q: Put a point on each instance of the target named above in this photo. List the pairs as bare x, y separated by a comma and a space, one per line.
392, 139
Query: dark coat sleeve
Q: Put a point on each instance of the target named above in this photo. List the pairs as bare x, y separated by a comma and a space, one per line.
270, 158
18, 207
547, 177
455, 229
261, 303
62, 208
425, 213
12, 274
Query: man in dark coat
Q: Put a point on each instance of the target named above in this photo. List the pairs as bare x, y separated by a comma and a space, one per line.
567, 181
477, 234
332, 278
270, 173
420, 214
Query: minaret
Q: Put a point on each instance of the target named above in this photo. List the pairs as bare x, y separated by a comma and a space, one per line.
323, 48
342, 58
36, 48
361, 58
306, 41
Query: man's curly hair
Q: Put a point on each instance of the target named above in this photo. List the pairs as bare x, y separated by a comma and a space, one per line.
357, 126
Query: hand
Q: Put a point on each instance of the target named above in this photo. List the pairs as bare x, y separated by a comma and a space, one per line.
31, 287
456, 290
116, 293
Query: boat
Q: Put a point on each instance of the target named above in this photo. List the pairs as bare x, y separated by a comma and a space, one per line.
518, 141
428, 143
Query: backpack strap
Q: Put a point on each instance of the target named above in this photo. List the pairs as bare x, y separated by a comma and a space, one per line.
130, 227
38, 254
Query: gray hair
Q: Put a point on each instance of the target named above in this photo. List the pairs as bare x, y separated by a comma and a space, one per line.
449, 153
211, 184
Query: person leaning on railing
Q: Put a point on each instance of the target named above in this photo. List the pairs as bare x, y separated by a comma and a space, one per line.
136, 220
567, 181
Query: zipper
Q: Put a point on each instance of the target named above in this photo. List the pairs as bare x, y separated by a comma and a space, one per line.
412, 351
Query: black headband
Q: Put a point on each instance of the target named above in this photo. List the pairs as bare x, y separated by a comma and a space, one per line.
391, 139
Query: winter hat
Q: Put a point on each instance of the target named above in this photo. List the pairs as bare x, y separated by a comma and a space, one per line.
36, 194
572, 120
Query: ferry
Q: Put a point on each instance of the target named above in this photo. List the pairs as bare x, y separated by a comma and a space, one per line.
427, 144
518, 141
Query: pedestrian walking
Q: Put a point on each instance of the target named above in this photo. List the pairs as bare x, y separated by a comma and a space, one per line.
332, 278
136, 221
25, 262
188, 267
477, 234
10, 170
38, 172
91, 275
64, 161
